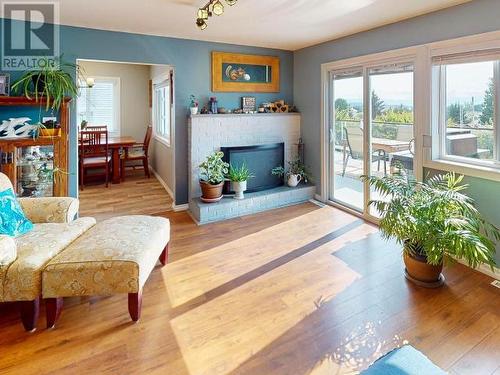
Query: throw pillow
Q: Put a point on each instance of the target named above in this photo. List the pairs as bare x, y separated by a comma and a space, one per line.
13, 222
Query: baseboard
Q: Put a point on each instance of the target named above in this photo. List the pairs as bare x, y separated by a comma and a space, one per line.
483, 268
318, 198
180, 207
164, 184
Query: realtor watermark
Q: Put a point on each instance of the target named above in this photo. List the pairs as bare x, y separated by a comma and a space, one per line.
30, 34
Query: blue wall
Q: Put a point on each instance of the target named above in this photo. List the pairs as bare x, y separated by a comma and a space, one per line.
475, 17
192, 63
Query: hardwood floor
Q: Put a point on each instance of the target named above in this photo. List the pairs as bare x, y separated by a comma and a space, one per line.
300, 290
137, 195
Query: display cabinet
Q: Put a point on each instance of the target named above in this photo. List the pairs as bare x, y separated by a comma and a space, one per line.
36, 165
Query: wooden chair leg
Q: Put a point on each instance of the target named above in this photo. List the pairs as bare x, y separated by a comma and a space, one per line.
122, 170
164, 255
145, 163
29, 313
134, 305
54, 307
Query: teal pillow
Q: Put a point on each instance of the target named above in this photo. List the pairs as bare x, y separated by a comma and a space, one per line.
13, 222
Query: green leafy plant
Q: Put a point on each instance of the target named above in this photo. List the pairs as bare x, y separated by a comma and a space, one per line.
434, 219
239, 174
214, 170
294, 167
52, 81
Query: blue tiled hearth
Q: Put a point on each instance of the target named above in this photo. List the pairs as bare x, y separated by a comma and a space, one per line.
229, 207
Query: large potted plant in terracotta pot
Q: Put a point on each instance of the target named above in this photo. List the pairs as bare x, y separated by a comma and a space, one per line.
434, 222
212, 175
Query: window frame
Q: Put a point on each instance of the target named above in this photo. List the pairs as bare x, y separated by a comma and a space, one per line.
162, 138
116, 81
439, 96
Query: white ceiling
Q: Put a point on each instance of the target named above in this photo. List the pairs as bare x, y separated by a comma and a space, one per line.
285, 24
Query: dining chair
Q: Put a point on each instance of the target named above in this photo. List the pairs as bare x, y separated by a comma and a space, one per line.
94, 153
137, 152
353, 148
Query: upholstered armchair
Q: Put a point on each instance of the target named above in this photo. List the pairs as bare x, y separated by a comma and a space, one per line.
23, 258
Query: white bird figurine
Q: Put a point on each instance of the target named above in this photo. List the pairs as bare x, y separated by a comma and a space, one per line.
16, 128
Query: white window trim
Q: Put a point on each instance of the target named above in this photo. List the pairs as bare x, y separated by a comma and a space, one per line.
435, 157
162, 80
426, 135
117, 106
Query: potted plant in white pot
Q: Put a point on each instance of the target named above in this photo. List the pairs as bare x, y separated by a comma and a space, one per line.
294, 175
239, 177
212, 176
434, 222
193, 107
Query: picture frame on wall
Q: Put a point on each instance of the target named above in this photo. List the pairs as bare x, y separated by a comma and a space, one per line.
233, 72
4, 84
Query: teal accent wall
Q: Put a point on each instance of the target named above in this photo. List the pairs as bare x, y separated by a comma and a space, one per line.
192, 62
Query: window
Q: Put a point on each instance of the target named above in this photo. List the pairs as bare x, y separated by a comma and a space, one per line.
100, 105
162, 111
466, 105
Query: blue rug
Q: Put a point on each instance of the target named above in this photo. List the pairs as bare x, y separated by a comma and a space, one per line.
404, 361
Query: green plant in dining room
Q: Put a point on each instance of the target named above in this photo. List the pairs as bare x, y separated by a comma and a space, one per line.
434, 221
52, 81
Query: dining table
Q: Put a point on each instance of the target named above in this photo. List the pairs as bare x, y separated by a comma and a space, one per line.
115, 144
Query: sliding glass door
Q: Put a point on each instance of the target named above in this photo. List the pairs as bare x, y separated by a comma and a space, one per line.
391, 122
346, 139
371, 130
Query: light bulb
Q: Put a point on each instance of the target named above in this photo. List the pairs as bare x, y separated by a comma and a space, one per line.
200, 22
218, 8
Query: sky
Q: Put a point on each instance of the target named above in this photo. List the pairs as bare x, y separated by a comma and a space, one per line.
463, 81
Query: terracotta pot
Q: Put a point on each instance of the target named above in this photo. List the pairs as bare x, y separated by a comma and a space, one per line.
211, 192
422, 273
50, 132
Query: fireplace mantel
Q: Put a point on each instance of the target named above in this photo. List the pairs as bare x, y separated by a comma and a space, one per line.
208, 133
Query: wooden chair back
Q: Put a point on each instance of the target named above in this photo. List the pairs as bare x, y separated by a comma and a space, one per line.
147, 140
93, 143
96, 128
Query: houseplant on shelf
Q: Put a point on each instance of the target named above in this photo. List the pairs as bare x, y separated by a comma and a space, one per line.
294, 175
49, 128
53, 82
193, 107
434, 222
212, 176
239, 177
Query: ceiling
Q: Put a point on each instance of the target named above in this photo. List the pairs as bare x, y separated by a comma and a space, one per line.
284, 24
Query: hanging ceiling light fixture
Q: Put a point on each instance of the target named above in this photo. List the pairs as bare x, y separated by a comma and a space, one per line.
212, 7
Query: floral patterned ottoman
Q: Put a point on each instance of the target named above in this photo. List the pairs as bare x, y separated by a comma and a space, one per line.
115, 256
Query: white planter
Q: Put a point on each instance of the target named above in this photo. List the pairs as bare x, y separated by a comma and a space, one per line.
194, 110
239, 188
294, 179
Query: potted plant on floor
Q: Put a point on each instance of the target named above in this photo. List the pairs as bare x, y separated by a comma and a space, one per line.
212, 175
434, 222
239, 177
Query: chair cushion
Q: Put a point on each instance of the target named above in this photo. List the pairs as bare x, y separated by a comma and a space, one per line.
96, 160
135, 153
22, 279
115, 256
13, 221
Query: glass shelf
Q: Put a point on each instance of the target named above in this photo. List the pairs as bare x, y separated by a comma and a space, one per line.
35, 171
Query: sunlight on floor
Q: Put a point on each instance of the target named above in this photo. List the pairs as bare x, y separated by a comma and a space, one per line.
220, 334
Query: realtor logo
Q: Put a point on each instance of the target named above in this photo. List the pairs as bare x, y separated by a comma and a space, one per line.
30, 34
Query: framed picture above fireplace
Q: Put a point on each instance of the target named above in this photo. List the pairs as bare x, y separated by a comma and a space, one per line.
232, 72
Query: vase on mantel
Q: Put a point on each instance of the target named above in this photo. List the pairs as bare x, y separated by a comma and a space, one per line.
194, 110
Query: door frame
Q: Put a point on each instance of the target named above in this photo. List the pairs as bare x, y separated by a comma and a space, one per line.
419, 57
